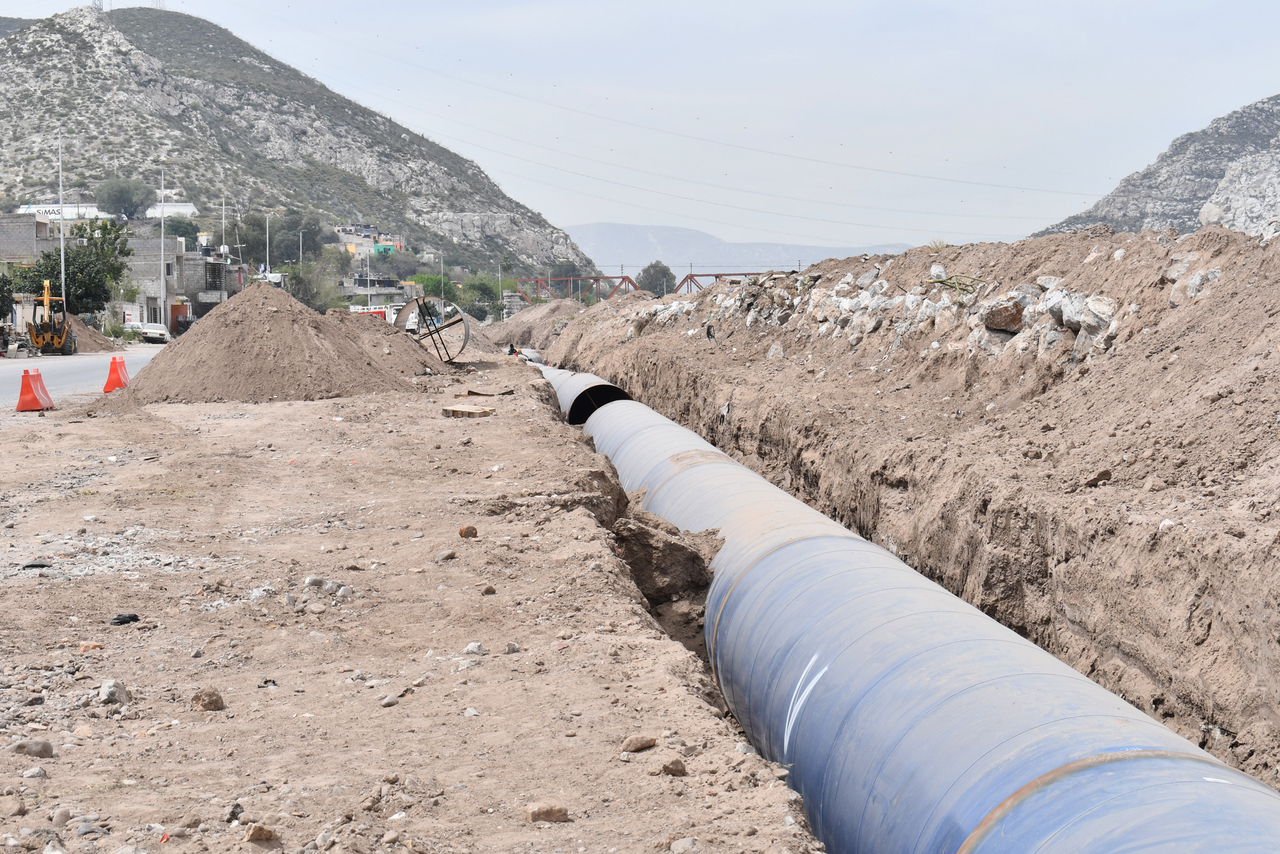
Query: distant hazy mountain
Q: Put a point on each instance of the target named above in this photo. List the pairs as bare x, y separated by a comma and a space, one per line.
1227, 173
612, 245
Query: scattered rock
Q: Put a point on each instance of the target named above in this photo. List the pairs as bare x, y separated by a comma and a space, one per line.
512, 647
207, 700
36, 748
474, 648
1100, 478
684, 846
61, 816
637, 743
389, 701
675, 768
391, 837
258, 833
313, 581
1004, 314
549, 811
317, 608
12, 806
36, 773
775, 352
447, 554
113, 691
489, 590
468, 532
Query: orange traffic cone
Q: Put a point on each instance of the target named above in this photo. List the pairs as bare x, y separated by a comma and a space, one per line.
118, 376
33, 397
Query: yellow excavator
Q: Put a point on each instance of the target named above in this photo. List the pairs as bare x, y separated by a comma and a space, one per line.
50, 335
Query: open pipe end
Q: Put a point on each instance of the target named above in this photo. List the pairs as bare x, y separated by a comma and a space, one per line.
591, 399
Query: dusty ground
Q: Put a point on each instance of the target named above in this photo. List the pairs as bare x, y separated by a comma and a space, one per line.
354, 718
1111, 491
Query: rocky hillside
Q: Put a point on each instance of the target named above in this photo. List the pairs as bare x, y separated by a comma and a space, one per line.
147, 86
1225, 174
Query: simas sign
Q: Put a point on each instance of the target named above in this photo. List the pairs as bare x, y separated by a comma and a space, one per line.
56, 211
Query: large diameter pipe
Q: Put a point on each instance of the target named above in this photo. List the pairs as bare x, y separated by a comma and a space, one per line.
581, 394
909, 720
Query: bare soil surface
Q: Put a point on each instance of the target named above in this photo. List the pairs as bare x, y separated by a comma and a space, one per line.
319, 650
90, 340
536, 326
1079, 434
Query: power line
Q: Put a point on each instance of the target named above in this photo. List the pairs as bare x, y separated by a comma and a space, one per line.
693, 137
670, 177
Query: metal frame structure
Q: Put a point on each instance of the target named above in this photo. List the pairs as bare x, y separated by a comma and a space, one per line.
624, 284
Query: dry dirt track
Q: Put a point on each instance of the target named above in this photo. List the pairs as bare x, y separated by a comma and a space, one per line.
358, 721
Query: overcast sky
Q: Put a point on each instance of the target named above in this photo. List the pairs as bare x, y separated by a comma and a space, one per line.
832, 123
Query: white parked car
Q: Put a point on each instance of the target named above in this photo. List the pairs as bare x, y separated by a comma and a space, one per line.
152, 333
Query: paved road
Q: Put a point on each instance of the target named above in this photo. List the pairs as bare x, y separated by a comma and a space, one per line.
66, 377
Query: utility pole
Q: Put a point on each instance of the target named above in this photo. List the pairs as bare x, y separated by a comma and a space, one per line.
62, 233
500, 289
224, 221
164, 283
268, 245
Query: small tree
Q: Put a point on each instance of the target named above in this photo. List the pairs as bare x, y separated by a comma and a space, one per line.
126, 198
657, 278
6, 295
88, 286
180, 226
108, 240
315, 283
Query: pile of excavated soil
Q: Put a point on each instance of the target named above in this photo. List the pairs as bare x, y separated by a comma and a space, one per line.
90, 340
263, 345
537, 326
1079, 434
384, 345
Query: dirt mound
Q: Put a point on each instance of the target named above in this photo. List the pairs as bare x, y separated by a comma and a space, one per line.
90, 340
1077, 433
536, 326
262, 345
386, 346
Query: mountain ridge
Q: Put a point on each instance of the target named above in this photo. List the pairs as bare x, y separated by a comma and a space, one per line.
1227, 173
225, 117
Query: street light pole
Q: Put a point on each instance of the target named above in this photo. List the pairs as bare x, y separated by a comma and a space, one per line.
62, 232
164, 282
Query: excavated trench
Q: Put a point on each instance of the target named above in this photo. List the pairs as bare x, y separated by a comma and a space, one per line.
988, 542
1070, 499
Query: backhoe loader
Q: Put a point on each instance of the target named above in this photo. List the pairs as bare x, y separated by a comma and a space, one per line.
48, 334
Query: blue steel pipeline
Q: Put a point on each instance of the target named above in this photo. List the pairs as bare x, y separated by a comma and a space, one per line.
910, 721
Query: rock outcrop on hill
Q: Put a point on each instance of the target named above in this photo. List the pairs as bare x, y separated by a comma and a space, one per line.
1225, 174
142, 86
